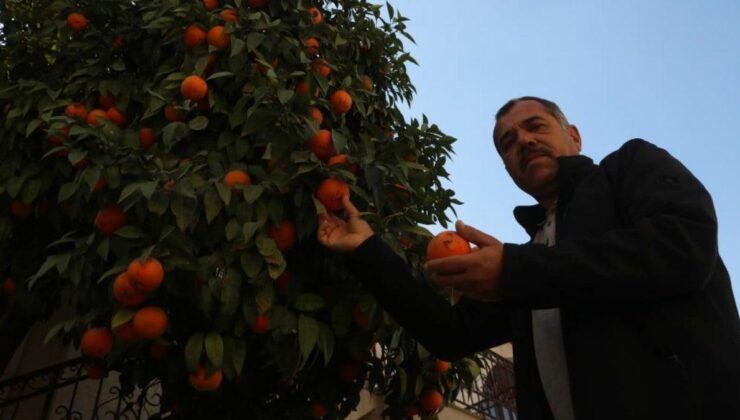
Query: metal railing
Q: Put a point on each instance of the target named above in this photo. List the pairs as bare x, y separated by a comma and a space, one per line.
492, 395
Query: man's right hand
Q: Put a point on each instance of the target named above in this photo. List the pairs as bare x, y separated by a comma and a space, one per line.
340, 235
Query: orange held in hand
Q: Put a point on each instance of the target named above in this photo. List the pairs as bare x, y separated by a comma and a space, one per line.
194, 88
203, 383
330, 193
446, 244
145, 276
237, 177
96, 342
150, 322
340, 101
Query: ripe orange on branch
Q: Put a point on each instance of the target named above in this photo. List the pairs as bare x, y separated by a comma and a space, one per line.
210, 5
194, 88
76, 21
76, 111
340, 101
229, 15
330, 193
261, 324
257, 4
317, 115
110, 219
342, 159
116, 116
150, 322
431, 400
125, 293
217, 37
237, 177
283, 235
96, 342
446, 244
322, 145
316, 16
311, 46
194, 36
146, 137
205, 383
20, 209
145, 276
94, 117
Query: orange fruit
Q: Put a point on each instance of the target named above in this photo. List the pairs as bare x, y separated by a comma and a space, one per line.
316, 16
237, 177
315, 114
318, 410
229, 15
194, 88
125, 293
150, 322
282, 280
126, 332
320, 67
311, 46
146, 137
173, 114
342, 160
145, 276
96, 342
76, 21
301, 88
117, 42
257, 4
94, 116
367, 83
322, 145
446, 244
261, 324
57, 140
76, 110
210, 5
203, 383
116, 116
218, 38
440, 366
110, 218
330, 193
194, 36
9, 287
340, 101
20, 209
106, 101
431, 400
284, 235
102, 183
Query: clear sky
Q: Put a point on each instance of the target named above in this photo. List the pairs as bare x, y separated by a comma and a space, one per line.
667, 71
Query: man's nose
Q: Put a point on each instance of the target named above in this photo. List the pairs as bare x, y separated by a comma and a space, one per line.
526, 139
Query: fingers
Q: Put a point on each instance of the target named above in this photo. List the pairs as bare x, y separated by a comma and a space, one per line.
447, 265
349, 207
474, 235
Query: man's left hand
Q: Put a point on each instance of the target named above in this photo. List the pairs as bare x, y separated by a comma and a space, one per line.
476, 275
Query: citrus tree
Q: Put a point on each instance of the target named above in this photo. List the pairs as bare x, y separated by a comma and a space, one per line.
164, 164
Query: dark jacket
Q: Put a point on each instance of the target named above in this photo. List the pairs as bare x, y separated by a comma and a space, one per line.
650, 326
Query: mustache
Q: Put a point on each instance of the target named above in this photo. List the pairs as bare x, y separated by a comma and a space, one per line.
530, 152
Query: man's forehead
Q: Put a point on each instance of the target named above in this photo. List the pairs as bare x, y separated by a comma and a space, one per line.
521, 111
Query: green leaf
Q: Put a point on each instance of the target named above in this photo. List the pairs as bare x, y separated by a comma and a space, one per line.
212, 204
254, 39
174, 132
224, 192
341, 319
220, 75
308, 335
66, 191
265, 297
130, 232
14, 185
233, 229
237, 45
193, 351
326, 342
252, 193
53, 331
184, 209
215, 348
32, 126
249, 229
285, 95
239, 355
121, 317
76, 155
198, 123
309, 302
251, 264
272, 255
340, 142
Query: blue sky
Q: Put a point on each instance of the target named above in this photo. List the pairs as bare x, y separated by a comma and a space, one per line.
667, 71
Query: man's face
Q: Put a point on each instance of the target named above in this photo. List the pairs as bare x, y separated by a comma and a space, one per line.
529, 139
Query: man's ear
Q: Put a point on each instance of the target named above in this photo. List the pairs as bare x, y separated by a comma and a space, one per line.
575, 135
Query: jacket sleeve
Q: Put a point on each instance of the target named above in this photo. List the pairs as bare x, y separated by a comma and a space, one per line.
449, 332
665, 245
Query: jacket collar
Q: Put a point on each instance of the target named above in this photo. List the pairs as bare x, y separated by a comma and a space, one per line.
571, 169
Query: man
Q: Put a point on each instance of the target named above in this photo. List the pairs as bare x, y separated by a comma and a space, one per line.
618, 308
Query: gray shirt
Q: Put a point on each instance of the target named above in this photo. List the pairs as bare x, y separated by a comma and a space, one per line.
548, 342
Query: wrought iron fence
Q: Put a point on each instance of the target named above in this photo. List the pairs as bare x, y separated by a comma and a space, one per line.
492, 395
64, 391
